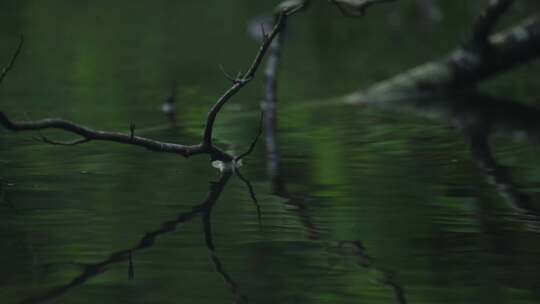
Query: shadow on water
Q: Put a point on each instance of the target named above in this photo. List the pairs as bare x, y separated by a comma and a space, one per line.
203, 209
297, 204
3, 197
479, 118
383, 276
300, 206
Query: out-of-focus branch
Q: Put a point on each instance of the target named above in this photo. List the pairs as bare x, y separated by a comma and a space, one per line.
487, 20
463, 68
291, 7
498, 175
270, 99
480, 117
356, 8
6, 70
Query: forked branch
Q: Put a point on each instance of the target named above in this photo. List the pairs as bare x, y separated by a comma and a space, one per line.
205, 147
244, 78
487, 20
88, 134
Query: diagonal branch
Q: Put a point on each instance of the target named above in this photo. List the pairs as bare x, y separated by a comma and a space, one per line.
6, 70
241, 81
291, 7
486, 21
254, 142
287, 9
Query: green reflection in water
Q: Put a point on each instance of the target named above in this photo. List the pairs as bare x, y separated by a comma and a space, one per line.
407, 186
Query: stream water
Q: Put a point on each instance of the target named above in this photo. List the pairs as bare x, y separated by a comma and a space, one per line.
421, 202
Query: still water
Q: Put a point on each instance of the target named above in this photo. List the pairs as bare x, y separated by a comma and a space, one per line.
421, 202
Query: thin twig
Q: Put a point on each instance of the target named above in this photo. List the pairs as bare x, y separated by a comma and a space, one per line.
227, 75
6, 70
254, 142
240, 82
244, 79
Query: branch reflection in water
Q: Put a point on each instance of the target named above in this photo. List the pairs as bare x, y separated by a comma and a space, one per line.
480, 117
3, 196
149, 240
299, 204
358, 253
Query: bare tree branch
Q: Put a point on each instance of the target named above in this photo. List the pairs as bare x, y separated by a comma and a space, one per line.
461, 68
241, 81
206, 147
487, 20
254, 142
90, 134
284, 11
291, 7
227, 75
6, 70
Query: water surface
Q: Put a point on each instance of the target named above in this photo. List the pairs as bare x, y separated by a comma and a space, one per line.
389, 204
